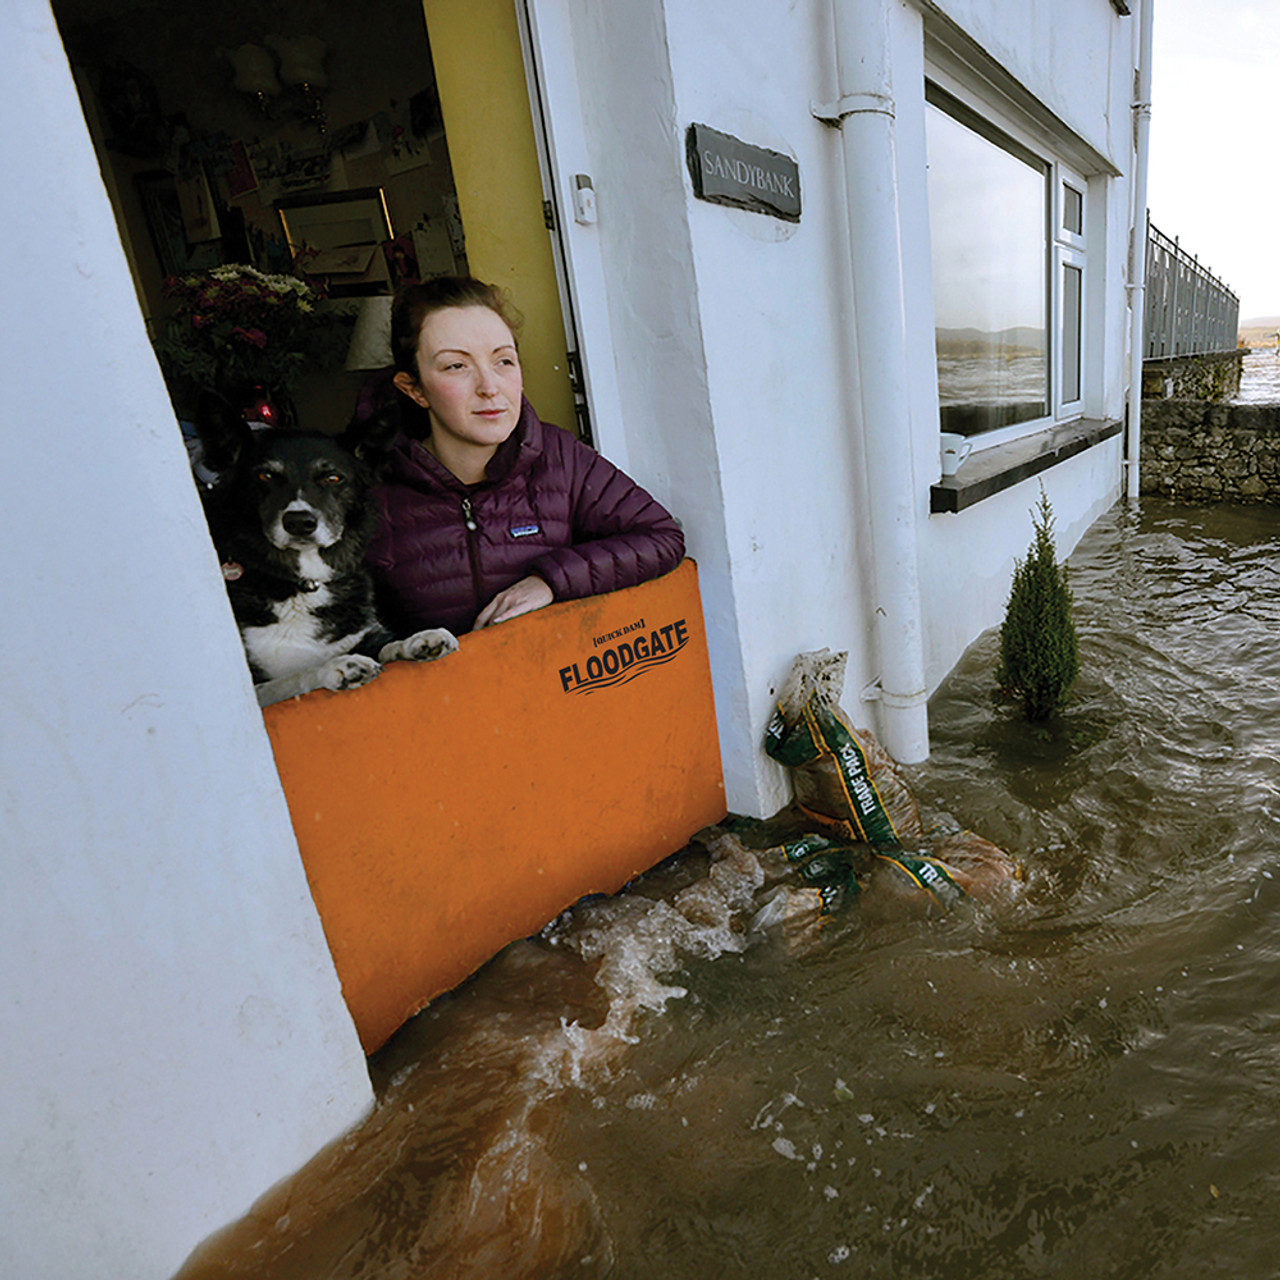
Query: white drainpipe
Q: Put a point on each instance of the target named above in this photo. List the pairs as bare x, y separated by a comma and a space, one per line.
1138, 267
865, 114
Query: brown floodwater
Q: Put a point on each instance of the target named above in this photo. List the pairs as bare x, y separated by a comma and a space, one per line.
1083, 1080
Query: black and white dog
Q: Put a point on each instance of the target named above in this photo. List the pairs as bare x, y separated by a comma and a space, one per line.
291, 515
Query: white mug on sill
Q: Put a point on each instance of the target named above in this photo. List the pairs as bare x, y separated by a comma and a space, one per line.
955, 449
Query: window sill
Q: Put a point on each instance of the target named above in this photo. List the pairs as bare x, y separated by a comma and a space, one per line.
1004, 465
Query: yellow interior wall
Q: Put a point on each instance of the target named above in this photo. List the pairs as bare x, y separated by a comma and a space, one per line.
475, 48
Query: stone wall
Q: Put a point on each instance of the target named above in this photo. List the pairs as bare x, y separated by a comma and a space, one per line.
1196, 451
1214, 375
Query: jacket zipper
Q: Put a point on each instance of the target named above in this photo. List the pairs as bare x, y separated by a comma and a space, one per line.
473, 550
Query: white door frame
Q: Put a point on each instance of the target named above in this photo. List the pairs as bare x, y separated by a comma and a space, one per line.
547, 43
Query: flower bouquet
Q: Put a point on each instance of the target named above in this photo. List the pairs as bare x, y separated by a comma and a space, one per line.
235, 329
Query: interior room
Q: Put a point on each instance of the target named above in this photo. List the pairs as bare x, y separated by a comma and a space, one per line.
293, 138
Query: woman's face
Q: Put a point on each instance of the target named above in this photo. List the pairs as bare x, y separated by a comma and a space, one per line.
468, 377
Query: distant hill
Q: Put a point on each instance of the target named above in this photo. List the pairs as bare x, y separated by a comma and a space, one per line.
1259, 331
978, 341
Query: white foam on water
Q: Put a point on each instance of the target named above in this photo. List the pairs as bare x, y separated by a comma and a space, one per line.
1260, 378
635, 943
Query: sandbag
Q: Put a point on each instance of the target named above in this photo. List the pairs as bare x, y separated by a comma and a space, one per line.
840, 775
844, 779
979, 867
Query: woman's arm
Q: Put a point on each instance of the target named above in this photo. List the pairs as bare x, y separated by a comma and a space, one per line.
621, 535
521, 597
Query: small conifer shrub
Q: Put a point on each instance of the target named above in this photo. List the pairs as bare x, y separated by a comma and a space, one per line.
1039, 652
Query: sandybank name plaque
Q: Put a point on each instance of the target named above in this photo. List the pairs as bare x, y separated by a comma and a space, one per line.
726, 170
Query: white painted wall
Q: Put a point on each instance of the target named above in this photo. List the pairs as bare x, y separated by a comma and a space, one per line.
664, 425
1065, 52
967, 558
777, 334
1076, 60
731, 332
726, 329
174, 1037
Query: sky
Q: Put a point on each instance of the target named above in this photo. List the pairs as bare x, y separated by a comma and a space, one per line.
1214, 174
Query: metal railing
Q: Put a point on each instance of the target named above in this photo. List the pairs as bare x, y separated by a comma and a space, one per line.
1189, 311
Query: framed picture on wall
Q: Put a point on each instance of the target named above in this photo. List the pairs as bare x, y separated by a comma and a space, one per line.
162, 207
337, 237
199, 215
336, 220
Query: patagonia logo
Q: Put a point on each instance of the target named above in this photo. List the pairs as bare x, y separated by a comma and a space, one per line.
524, 530
616, 663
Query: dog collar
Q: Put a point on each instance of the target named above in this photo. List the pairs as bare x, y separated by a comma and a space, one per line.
233, 571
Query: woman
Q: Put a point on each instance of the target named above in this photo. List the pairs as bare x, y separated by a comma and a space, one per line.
486, 512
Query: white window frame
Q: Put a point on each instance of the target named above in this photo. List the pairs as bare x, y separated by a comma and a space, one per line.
1062, 248
546, 37
1064, 410
1070, 249
1064, 177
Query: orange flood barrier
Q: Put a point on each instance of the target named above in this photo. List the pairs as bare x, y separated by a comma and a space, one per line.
450, 808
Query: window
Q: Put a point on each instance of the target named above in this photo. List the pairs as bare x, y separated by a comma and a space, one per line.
1008, 228
1072, 210
1071, 279
1072, 301
989, 222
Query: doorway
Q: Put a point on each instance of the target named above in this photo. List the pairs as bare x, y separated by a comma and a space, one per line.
422, 109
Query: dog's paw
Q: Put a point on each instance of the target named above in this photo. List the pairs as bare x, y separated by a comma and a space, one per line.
422, 646
348, 672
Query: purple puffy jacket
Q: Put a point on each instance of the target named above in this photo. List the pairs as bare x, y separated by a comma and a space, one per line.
549, 505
